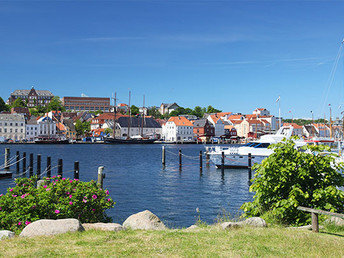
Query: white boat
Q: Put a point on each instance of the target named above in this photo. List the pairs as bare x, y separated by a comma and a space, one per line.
237, 157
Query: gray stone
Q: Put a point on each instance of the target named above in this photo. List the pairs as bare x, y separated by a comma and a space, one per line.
103, 226
40, 183
48, 227
144, 220
230, 225
255, 222
308, 227
336, 221
6, 234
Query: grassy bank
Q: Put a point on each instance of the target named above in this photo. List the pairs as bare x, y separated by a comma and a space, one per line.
204, 242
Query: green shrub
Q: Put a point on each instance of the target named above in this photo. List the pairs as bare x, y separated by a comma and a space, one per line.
56, 199
289, 178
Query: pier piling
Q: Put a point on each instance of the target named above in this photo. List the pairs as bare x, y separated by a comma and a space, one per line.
180, 158
249, 158
76, 170
163, 160
207, 156
24, 163
60, 167
17, 162
31, 165
200, 160
101, 176
222, 160
38, 172
7, 158
48, 167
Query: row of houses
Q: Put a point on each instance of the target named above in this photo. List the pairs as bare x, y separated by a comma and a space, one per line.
316, 130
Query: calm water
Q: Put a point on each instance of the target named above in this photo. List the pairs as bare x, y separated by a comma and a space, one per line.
137, 181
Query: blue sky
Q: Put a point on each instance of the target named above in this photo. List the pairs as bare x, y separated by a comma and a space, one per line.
233, 55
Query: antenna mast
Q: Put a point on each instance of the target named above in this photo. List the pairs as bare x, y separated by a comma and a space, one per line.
115, 114
129, 120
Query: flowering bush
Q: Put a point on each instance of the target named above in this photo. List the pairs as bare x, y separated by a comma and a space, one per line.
57, 198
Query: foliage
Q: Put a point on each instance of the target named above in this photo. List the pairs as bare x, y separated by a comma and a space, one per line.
58, 198
289, 178
82, 127
19, 103
304, 121
108, 131
55, 104
38, 110
197, 111
3, 106
154, 112
134, 110
210, 110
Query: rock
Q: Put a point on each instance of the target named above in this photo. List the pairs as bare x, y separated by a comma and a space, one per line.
103, 226
336, 221
6, 234
144, 220
48, 227
309, 227
40, 183
230, 225
193, 227
255, 222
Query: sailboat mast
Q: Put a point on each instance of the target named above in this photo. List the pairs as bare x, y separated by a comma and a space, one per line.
115, 115
129, 120
143, 115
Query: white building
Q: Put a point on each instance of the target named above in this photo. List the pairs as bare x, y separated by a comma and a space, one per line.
178, 129
31, 129
46, 127
147, 127
12, 126
166, 108
218, 124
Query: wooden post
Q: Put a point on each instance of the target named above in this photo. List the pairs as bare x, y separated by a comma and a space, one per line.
223, 160
101, 176
31, 165
249, 157
17, 162
60, 167
38, 166
49, 167
207, 156
7, 159
180, 158
315, 222
24, 162
200, 160
76, 170
163, 156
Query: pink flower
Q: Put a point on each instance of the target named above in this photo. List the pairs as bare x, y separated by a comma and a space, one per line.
24, 184
63, 178
1, 195
14, 195
74, 189
93, 209
68, 193
57, 211
0, 208
70, 181
84, 200
54, 183
27, 222
11, 190
70, 196
23, 196
48, 189
19, 223
109, 200
76, 179
94, 196
107, 192
45, 186
70, 203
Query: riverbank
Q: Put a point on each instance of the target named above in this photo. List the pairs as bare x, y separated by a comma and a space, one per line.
206, 241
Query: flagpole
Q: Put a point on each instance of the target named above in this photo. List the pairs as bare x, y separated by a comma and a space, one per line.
279, 113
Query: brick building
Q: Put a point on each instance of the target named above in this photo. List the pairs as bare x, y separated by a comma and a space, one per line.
86, 103
32, 97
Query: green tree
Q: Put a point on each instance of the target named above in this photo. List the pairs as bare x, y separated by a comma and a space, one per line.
55, 105
18, 103
210, 110
82, 127
289, 178
154, 112
108, 131
3, 106
198, 111
134, 110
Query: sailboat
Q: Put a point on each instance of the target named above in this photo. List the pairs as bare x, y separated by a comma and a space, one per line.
137, 139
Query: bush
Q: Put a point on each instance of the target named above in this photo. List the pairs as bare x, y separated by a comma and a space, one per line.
289, 178
58, 198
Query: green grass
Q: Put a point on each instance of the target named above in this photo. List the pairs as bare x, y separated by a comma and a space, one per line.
206, 241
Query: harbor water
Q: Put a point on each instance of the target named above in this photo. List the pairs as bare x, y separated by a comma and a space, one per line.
137, 181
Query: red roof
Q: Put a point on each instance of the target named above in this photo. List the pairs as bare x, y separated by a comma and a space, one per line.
180, 121
235, 117
294, 125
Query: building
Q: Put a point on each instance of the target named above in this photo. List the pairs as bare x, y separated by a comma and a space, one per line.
86, 103
32, 97
298, 130
70, 131
322, 130
147, 127
46, 127
31, 129
218, 124
178, 129
104, 120
21, 111
203, 129
166, 108
12, 127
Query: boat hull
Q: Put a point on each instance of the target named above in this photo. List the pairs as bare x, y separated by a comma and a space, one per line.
235, 161
129, 141
52, 142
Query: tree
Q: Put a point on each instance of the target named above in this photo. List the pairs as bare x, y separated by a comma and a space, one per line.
3, 106
210, 110
108, 131
55, 105
134, 110
18, 103
154, 112
82, 127
289, 178
197, 111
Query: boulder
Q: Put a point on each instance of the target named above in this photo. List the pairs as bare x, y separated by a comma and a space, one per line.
40, 183
192, 228
103, 226
230, 225
144, 220
6, 234
336, 221
255, 222
48, 227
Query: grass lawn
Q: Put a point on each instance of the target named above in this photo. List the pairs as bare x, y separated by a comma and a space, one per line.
207, 241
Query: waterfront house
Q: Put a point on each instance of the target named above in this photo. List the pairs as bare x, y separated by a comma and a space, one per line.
12, 126
104, 120
70, 131
323, 130
33, 97
146, 127
178, 128
203, 130
218, 124
31, 129
167, 108
298, 130
47, 127
21, 111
